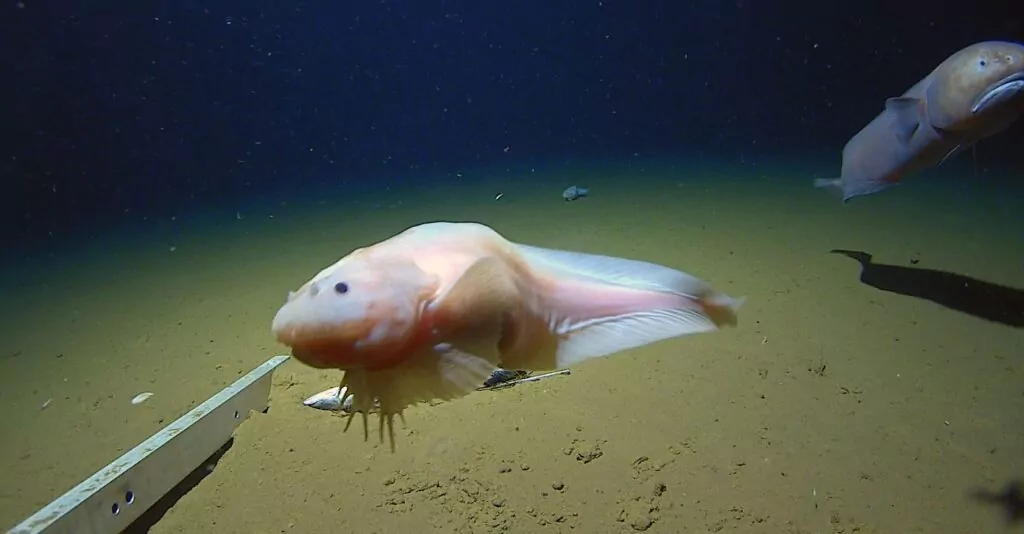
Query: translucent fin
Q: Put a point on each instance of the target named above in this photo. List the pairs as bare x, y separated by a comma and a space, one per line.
618, 271
600, 305
439, 373
906, 117
615, 334
484, 292
832, 185
852, 188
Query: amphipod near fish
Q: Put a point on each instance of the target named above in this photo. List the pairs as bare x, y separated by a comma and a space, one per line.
975, 93
431, 313
575, 193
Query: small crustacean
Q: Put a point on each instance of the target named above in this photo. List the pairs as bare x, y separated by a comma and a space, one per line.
575, 192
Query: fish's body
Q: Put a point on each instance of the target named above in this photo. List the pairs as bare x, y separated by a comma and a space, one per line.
975, 93
432, 312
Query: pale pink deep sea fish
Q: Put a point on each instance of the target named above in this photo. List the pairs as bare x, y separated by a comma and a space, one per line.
429, 313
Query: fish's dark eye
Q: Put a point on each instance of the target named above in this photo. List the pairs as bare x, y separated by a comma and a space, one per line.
341, 288
982, 62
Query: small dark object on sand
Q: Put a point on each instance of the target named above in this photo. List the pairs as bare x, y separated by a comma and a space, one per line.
575, 192
503, 378
500, 376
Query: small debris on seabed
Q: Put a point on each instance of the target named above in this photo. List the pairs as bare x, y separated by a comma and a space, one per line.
141, 398
503, 378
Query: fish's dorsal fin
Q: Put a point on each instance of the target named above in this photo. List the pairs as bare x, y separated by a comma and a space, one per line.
906, 112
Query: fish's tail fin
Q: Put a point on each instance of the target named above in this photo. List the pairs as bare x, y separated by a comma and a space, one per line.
600, 305
853, 188
832, 185
722, 309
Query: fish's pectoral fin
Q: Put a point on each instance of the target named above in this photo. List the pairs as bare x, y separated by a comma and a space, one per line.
907, 116
478, 311
443, 372
483, 294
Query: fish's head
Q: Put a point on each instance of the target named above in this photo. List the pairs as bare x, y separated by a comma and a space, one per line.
357, 314
981, 84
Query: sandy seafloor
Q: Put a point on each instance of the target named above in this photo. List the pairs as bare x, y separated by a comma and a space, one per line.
834, 407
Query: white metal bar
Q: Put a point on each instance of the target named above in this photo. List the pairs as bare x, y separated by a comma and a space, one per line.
108, 501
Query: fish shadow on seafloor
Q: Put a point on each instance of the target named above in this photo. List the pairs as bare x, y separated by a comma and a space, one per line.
993, 302
1010, 499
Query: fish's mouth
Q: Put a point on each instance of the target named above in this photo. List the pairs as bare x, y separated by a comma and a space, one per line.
999, 92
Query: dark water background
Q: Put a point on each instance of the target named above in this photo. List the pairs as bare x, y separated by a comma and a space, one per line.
122, 111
